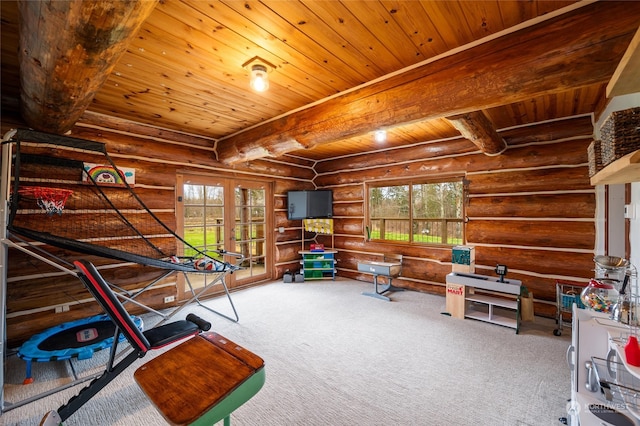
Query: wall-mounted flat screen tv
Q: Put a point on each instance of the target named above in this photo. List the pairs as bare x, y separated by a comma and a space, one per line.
309, 204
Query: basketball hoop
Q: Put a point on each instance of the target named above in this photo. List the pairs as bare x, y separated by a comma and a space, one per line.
51, 200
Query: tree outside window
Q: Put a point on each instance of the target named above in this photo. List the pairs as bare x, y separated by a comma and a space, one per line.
422, 212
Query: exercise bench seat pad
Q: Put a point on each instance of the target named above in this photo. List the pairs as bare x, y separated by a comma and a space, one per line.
202, 380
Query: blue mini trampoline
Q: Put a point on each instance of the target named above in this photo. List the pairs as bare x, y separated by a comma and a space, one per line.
75, 339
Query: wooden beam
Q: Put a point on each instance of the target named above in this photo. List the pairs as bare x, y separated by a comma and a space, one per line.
67, 50
477, 127
531, 62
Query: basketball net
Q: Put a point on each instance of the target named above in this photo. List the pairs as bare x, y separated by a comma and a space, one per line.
51, 200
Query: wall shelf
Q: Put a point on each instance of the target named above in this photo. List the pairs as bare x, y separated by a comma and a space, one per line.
623, 170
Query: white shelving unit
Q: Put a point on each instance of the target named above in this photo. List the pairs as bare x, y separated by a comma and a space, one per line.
492, 315
491, 304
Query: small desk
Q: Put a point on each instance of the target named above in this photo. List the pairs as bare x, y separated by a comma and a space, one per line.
386, 269
202, 380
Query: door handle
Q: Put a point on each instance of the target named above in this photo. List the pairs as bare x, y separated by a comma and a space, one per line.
570, 351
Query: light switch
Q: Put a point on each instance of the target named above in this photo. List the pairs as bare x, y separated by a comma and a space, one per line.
629, 211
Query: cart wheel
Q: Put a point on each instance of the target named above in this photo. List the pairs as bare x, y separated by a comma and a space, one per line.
557, 332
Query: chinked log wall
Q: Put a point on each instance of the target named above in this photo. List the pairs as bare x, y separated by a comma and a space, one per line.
531, 208
35, 288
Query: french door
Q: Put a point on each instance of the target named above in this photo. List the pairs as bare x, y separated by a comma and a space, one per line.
227, 214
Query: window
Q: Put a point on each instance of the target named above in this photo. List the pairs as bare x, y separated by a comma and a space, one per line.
423, 212
204, 217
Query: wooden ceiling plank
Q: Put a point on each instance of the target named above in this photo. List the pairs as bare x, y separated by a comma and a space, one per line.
476, 127
226, 50
268, 31
385, 29
336, 15
195, 87
448, 22
222, 48
527, 63
90, 36
478, 16
417, 24
312, 26
515, 12
142, 110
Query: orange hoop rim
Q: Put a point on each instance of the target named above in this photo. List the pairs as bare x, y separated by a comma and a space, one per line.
46, 191
49, 199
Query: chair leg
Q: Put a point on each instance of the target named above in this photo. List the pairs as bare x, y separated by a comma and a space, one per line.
227, 420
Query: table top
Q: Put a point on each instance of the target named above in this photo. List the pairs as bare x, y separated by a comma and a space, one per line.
485, 282
199, 372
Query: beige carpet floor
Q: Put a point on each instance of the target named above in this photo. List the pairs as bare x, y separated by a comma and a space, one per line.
336, 357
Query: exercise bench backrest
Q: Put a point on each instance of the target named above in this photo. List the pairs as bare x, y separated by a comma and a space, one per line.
101, 291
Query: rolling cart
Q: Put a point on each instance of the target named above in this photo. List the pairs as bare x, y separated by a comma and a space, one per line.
567, 293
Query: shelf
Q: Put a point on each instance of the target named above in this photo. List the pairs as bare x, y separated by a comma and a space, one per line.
623, 170
496, 301
634, 371
318, 265
497, 310
493, 318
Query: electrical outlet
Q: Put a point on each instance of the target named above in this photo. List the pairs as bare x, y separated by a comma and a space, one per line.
169, 299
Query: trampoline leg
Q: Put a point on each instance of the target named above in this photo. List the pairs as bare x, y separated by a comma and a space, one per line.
28, 379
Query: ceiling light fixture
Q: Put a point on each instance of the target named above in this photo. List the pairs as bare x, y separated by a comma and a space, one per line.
259, 70
380, 136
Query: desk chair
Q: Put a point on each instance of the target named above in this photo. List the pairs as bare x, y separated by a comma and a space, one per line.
220, 404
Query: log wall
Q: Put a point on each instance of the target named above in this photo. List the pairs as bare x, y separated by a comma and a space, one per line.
40, 296
531, 208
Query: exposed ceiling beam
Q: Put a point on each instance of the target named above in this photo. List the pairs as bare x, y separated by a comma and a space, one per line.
477, 127
514, 68
67, 50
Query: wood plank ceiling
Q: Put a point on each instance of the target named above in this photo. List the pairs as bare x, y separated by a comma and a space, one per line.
343, 69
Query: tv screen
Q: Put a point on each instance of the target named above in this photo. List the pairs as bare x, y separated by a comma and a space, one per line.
309, 204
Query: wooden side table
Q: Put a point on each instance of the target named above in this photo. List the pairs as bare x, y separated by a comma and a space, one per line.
202, 380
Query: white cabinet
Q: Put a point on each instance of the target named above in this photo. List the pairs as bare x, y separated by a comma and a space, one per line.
593, 334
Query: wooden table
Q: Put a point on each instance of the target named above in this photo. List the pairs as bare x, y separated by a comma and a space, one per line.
202, 380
